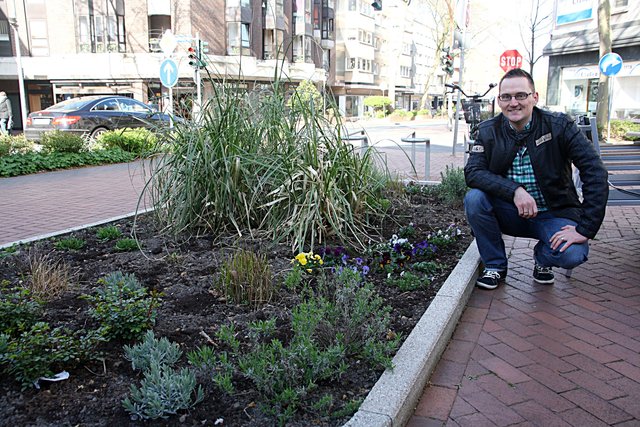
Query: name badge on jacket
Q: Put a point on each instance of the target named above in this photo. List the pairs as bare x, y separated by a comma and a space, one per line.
543, 139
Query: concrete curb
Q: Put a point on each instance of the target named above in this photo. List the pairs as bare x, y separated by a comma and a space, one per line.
392, 400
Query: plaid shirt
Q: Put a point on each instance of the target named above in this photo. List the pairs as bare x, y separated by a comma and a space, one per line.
521, 172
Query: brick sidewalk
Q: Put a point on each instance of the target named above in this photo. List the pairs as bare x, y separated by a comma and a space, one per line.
562, 355
38, 204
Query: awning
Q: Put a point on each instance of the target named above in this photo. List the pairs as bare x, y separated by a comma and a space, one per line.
625, 34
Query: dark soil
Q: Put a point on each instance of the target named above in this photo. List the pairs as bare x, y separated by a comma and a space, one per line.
184, 272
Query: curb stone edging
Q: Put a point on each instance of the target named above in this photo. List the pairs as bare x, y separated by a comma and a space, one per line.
392, 400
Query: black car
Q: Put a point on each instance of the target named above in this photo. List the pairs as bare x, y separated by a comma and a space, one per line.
93, 115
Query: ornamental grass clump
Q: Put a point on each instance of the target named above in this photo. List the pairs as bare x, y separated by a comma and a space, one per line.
245, 278
48, 277
252, 165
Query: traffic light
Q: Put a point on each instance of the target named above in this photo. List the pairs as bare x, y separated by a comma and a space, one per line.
194, 57
377, 4
203, 48
446, 60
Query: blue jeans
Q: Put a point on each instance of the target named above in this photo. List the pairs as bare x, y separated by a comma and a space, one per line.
490, 217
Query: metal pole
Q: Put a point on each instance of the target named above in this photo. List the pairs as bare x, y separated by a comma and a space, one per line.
458, 105
610, 105
198, 106
23, 100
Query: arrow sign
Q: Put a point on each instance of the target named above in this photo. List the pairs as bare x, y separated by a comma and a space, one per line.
610, 64
168, 73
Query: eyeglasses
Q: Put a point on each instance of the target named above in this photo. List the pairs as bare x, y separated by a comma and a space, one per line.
520, 96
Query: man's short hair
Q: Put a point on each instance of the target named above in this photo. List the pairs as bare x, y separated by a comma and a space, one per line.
518, 72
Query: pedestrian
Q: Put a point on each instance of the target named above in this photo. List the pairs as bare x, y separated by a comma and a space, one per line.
6, 114
520, 176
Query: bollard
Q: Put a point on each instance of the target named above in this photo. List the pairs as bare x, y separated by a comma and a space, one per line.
427, 152
364, 141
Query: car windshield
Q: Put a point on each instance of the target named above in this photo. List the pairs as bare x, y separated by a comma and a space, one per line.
70, 105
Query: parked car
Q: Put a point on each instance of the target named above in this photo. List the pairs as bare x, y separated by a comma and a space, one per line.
93, 115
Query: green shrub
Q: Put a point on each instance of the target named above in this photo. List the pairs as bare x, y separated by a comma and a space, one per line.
402, 115
163, 392
126, 245
306, 95
62, 142
377, 102
152, 351
18, 309
70, 244
32, 162
123, 306
110, 232
41, 351
14, 144
619, 128
139, 141
246, 278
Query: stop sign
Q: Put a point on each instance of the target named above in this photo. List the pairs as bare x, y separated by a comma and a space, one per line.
510, 59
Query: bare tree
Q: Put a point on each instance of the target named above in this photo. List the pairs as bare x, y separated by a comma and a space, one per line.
604, 33
537, 24
440, 15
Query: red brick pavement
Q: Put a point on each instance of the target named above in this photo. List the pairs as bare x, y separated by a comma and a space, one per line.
561, 355
45, 203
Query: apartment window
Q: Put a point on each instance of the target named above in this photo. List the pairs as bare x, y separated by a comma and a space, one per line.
353, 5
39, 37
5, 44
239, 41
405, 71
101, 25
359, 64
273, 42
365, 37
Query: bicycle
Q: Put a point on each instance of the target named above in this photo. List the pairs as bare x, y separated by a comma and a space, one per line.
476, 109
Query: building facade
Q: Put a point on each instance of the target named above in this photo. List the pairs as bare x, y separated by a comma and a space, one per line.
70, 48
574, 56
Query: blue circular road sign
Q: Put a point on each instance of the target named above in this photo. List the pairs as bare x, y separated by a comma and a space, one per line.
168, 73
610, 64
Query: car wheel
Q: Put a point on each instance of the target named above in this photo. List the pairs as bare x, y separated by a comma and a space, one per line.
98, 131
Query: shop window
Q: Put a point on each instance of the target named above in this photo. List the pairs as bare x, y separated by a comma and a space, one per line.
101, 26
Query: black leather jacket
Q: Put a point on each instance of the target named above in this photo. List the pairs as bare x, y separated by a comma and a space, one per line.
553, 142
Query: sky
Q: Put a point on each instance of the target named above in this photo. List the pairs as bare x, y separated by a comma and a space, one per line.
495, 26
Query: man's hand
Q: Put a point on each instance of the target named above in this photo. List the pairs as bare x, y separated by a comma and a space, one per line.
566, 237
527, 207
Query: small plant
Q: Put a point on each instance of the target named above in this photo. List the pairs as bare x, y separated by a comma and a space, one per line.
246, 278
407, 231
444, 238
152, 350
408, 281
308, 261
163, 392
126, 245
40, 351
123, 306
452, 187
110, 232
70, 244
429, 268
18, 309
62, 142
49, 278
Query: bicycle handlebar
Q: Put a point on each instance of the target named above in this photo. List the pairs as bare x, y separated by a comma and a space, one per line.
456, 87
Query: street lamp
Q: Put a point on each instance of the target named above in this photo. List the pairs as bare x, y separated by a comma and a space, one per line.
13, 21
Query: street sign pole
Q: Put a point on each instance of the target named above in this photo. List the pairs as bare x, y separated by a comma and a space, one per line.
610, 64
197, 106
